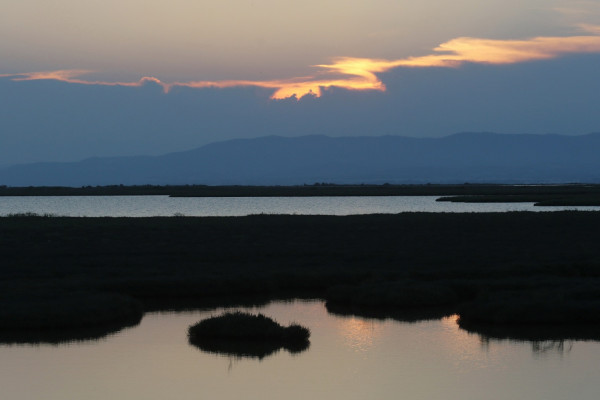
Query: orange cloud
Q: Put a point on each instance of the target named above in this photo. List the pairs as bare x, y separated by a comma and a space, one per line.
72, 76
296, 87
66, 75
489, 51
361, 73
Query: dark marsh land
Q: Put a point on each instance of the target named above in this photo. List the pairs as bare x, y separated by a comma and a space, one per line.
460, 192
493, 269
541, 195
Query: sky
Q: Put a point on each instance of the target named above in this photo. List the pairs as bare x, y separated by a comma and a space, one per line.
107, 78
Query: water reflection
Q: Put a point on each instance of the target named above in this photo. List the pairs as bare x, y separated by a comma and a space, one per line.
147, 206
359, 328
359, 334
552, 346
542, 338
350, 357
539, 348
533, 333
247, 349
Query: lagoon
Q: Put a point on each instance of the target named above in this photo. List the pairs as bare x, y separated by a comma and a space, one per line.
154, 206
349, 358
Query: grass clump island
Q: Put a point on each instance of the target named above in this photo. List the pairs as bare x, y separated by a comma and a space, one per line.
247, 335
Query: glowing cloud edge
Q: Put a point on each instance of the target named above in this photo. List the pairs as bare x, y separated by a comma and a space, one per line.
361, 73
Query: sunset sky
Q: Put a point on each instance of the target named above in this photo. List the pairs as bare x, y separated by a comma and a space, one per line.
102, 78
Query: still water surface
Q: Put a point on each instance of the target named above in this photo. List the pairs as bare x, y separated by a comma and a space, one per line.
148, 206
349, 358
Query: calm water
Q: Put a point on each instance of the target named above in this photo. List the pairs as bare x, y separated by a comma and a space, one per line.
349, 358
145, 206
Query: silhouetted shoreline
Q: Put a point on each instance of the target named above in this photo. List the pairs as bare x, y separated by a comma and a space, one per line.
503, 269
541, 195
527, 193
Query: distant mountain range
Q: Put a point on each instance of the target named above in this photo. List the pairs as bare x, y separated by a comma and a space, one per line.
274, 160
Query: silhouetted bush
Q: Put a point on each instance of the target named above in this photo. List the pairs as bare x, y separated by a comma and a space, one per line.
244, 334
239, 325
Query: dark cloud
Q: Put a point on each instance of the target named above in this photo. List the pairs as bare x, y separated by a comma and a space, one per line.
51, 120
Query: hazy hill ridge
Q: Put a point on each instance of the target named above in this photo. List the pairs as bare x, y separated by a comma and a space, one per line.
274, 160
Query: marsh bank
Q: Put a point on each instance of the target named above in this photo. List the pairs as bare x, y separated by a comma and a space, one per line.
503, 269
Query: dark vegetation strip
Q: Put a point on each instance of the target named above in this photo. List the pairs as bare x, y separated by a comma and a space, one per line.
571, 201
317, 189
549, 199
503, 269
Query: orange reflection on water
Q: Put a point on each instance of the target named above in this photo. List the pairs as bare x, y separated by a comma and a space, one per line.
466, 350
359, 334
